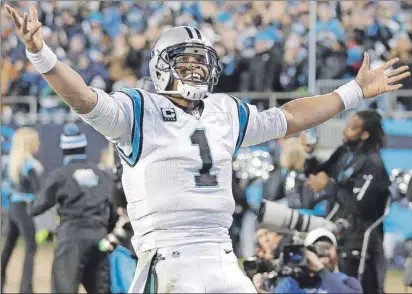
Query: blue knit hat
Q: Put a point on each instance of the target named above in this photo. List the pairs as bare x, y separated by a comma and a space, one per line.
72, 138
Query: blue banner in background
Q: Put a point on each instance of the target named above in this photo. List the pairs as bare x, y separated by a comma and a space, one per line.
397, 158
397, 127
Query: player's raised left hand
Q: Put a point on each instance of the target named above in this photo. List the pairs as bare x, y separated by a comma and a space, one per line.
380, 80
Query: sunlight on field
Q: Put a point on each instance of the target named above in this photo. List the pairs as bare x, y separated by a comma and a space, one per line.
44, 259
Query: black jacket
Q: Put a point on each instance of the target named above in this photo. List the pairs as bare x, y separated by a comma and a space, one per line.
264, 70
360, 184
82, 191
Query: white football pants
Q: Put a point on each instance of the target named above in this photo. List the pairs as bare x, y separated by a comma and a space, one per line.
194, 268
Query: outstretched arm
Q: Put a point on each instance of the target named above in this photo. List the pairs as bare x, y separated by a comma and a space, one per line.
305, 113
70, 86
67, 83
111, 115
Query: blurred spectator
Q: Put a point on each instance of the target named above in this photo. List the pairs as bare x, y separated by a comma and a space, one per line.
309, 141
106, 162
269, 246
117, 59
290, 186
232, 67
403, 50
138, 56
23, 179
327, 21
264, 48
92, 70
294, 73
291, 162
263, 68
331, 56
268, 242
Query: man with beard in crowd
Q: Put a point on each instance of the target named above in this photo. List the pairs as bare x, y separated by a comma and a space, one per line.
357, 180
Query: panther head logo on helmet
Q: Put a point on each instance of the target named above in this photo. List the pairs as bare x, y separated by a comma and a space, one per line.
183, 62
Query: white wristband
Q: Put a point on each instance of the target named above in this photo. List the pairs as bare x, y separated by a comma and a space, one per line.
351, 94
44, 60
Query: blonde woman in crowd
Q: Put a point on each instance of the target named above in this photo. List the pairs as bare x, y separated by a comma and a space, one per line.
292, 157
23, 175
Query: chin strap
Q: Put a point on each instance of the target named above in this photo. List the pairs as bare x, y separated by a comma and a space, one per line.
192, 92
188, 92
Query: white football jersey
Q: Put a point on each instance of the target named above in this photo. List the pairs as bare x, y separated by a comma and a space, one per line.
177, 167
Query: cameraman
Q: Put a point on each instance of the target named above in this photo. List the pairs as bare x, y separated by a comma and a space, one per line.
323, 268
82, 191
357, 179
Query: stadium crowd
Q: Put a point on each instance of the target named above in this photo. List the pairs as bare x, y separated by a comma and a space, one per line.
109, 43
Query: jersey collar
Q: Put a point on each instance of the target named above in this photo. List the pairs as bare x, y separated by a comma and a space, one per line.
195, 111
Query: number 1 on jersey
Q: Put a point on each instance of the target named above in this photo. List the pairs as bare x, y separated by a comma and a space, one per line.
204, 179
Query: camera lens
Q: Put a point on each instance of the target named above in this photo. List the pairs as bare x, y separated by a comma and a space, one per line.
295, 257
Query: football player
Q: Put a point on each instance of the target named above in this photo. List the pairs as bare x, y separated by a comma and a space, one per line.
177, 147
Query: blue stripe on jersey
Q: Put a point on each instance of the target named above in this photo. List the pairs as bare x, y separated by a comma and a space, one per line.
243, 112
137, 131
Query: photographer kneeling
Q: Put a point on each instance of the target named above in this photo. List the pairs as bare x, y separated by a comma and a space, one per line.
323, 273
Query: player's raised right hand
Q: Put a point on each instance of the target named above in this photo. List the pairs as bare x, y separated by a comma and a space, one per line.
29, 32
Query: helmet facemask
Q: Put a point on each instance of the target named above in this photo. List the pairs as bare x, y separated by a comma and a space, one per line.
194, 66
